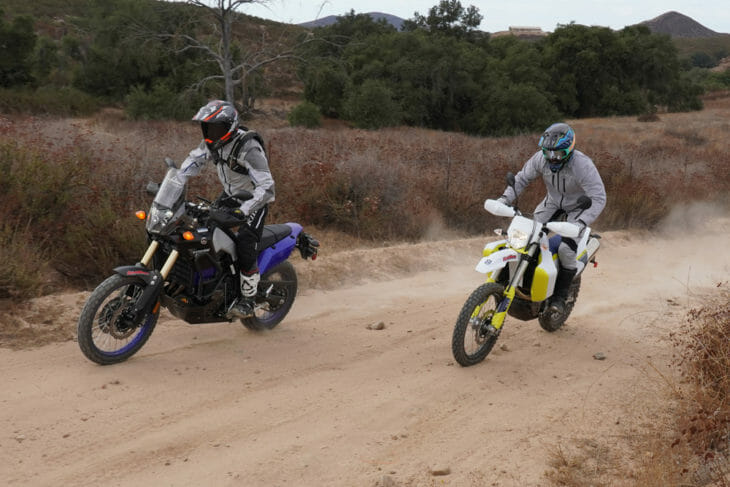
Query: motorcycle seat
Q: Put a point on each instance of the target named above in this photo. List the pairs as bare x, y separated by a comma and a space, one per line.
554, 243
273, 234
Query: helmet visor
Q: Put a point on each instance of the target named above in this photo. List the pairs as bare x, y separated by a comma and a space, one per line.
555, 155
214, 131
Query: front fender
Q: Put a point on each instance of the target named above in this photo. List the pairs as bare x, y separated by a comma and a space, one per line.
137, 271
153, 287
496, 260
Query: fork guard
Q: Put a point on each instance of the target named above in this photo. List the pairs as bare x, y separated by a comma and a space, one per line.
153, 287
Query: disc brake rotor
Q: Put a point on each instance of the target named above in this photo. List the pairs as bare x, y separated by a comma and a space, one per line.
479, 325
112, 318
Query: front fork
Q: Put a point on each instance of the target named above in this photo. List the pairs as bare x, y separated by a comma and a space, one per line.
154, 279
169, 263
509, 293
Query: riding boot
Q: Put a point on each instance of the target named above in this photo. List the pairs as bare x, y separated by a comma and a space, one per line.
244, 306
562, 286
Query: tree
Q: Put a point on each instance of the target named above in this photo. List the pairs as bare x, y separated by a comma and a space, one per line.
371, 106
597, 72
236, 64
17, 41
448, 17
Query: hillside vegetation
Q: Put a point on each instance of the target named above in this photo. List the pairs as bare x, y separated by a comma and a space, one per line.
154, 60
90, 94
81, 180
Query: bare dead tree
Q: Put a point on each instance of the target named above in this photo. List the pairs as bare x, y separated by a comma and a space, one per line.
236, 63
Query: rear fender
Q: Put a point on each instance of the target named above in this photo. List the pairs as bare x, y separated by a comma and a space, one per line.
277, 253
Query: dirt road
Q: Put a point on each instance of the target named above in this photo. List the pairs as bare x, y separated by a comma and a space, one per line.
323, 400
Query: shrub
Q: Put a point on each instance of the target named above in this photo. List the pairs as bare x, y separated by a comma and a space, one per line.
372, 106
47, 100
25, 265
161, 103
703, 422
74, 206
305, 114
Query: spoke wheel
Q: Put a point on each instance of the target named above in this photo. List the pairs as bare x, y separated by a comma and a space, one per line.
473, 337
553, 321
107, 332
276, 293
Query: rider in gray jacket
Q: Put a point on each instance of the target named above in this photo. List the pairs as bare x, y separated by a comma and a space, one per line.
568, 174
241, 163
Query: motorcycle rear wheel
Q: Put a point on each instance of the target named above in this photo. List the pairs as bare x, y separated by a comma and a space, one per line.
551, 322
471, 343
105, 333
281, 284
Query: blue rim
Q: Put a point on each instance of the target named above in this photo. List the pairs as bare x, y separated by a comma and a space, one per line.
134, 342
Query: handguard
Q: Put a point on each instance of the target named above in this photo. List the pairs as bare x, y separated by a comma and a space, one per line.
226, 218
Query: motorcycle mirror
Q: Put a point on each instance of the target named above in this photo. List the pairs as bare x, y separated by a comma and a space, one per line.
152, 188
170, 162
584, 202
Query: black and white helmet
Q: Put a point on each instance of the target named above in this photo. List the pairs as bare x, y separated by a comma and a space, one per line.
219, 121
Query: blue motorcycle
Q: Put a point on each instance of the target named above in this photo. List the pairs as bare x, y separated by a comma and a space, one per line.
188, 268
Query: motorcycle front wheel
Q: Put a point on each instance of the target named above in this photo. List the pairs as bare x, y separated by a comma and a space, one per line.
277, 290
107, 334
471, 341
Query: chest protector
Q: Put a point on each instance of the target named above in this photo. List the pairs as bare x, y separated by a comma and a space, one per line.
239, 145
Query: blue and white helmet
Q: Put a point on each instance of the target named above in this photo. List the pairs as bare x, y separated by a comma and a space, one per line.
219, 122
557, 144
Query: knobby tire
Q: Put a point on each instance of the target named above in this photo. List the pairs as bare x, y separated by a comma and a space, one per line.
466, 330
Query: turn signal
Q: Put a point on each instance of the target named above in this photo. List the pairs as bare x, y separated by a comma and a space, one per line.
188, 236
141, 215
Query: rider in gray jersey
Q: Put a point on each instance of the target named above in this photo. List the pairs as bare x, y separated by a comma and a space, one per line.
568, 174
241, 163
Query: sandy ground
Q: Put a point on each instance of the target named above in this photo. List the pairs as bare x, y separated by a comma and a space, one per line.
324, 400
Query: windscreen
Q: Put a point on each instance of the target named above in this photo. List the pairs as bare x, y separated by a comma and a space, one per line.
170, 190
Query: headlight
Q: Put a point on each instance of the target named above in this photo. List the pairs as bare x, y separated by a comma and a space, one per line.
517, 239
158, 218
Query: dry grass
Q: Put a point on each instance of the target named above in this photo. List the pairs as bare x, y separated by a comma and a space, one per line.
703, 422
687, 442
70, 187
400, 184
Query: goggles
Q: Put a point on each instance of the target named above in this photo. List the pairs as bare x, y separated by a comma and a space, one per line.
556, 154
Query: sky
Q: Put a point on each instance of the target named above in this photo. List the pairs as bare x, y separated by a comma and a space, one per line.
498, 16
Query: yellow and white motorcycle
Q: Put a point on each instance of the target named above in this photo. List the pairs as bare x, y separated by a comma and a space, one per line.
521, 272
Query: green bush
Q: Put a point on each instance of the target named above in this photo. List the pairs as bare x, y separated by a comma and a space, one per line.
161, 103
516, 109
305, 114
47, 100
325, 86
373, 106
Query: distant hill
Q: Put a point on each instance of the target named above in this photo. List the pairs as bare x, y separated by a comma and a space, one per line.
396, 22
677, 25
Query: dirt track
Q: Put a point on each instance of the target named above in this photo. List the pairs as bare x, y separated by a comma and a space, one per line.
323, 400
